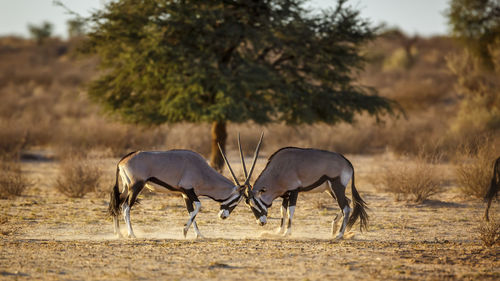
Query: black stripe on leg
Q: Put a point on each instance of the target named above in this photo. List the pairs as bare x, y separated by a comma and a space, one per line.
136, 189
189, 204
293, 198
284, 205
190, 194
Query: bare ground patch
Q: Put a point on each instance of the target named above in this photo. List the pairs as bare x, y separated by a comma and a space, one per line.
44, 235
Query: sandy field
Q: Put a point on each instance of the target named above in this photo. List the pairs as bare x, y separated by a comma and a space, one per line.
44, 235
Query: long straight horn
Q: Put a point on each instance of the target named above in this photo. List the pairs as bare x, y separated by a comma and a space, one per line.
229, 166
255, 155
242, 158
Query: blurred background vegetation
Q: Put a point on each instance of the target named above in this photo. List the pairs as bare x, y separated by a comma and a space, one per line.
451, 100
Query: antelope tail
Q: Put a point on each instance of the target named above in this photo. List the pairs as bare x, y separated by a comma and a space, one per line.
114, 198
493, 189
359, 209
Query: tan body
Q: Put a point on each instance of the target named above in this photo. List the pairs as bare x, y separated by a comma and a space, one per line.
283, 173
182, 171
291, 170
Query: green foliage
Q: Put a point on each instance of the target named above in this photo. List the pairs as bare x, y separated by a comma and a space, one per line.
479, 109
477, 23
206, 61
40, 32
76, 27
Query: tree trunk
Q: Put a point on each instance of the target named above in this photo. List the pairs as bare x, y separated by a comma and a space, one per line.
219, 135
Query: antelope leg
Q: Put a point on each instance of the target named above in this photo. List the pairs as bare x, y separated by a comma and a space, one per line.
284, 206
190, 208
291, 209
126, 215
339, 190
339, 215
191, 196
335, 222
117, 227
192, 216
198, 233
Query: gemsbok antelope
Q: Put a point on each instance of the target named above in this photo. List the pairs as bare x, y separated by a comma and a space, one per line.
494, 187
291, 170
180, 171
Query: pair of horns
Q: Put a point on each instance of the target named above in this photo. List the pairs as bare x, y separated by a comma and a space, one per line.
248, 175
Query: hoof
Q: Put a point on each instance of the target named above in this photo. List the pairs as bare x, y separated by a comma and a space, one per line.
339, 237
185, 231
287, 233
131, 236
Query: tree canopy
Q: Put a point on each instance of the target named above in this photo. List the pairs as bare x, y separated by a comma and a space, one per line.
219, 61
197, 61
477, 23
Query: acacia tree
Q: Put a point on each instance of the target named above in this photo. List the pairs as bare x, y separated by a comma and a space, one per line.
225, 61
477, 24
40, 32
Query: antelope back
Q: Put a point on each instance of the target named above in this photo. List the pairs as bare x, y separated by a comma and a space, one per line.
179, 169
290, 168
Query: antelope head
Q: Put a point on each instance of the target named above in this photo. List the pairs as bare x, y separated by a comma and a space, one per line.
245, 189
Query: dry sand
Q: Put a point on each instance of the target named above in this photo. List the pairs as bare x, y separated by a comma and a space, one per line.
44, 235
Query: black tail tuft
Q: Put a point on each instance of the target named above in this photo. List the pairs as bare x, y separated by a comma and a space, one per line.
492, 190
114, 199
494, 187
359, 209
114, 202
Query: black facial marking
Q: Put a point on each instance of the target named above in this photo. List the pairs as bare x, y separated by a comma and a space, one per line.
228, 205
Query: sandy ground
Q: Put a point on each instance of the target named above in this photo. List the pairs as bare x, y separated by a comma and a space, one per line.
44, 235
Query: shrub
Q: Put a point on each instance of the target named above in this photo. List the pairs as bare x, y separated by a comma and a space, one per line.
12, 181
415, 181
12, 140
78, 177
489, 232
474, 168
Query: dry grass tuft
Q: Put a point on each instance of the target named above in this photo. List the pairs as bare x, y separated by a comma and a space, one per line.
474, 168
415, 181
12, 181
489, 232
78, 177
